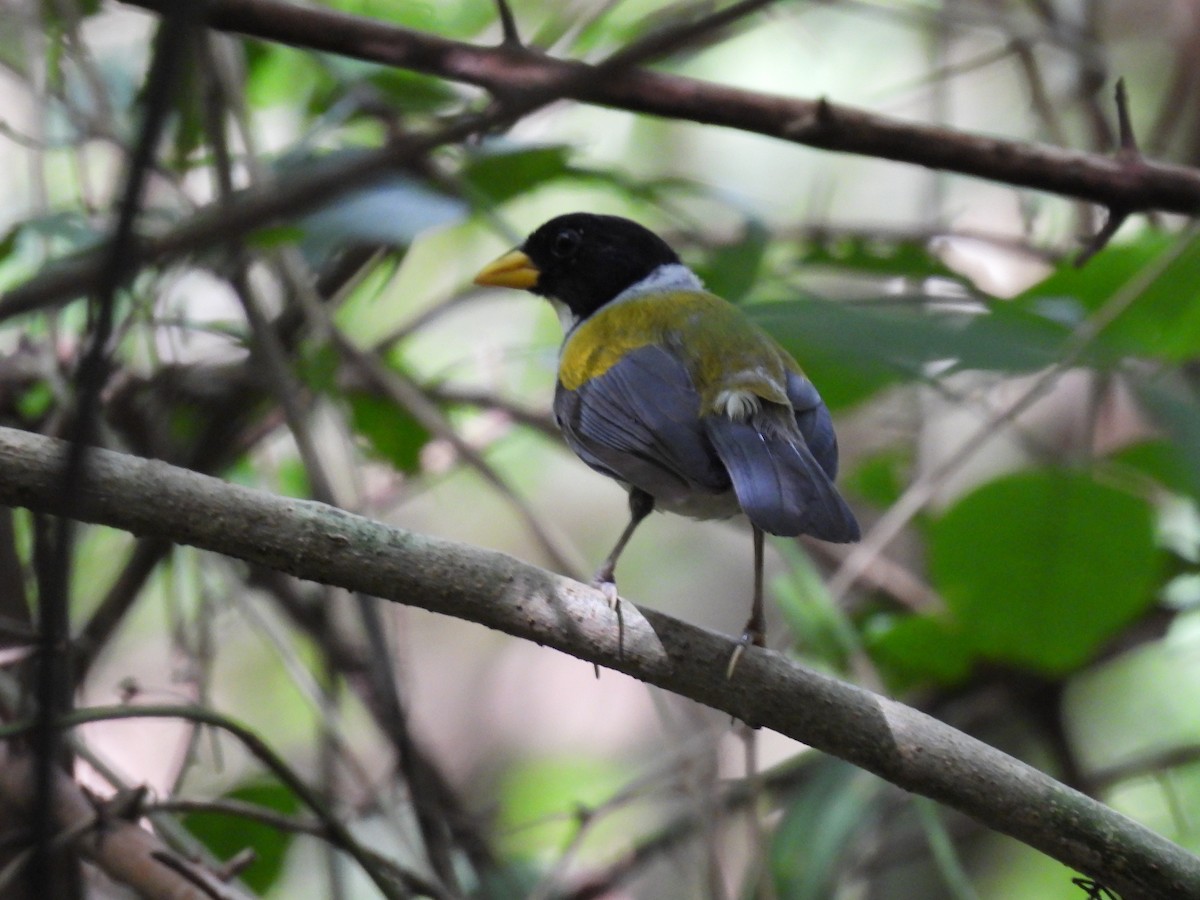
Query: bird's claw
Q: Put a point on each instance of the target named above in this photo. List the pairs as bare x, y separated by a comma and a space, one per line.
608, 588
733, 660
749, 636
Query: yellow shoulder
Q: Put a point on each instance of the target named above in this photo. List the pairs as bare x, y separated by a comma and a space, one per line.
720, 341
601, 341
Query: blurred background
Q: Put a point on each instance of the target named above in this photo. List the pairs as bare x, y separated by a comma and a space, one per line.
1020, 439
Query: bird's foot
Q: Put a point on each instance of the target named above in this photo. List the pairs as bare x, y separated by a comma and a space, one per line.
609, 590
604, 583
750, 636
607, 585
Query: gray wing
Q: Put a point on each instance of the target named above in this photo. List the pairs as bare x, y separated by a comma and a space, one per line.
783, 468
639, 423
814, 421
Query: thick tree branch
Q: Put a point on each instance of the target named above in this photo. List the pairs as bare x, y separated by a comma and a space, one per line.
317, 542
511, 71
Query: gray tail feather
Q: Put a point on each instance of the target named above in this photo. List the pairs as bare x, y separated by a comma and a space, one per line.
779, 484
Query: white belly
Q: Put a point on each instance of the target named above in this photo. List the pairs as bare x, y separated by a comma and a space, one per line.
698, 505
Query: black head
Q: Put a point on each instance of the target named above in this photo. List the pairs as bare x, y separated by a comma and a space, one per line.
584, 260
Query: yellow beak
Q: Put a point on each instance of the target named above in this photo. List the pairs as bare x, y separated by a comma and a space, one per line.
514, 269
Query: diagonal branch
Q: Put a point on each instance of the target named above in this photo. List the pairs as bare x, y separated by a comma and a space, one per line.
528, 80
317, 542
218, 223
507, 70
246, 211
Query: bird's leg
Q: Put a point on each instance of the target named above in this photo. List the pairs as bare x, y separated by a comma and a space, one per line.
755, 631
641, 505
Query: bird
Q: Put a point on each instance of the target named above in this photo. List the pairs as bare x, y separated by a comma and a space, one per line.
674, 393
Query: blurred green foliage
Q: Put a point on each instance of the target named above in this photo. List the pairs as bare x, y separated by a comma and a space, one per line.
1039, 575
546, 802
393, 434
809, 848
226, 835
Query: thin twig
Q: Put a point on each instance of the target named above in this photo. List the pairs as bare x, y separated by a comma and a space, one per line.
53, 679
508, 25
337, 832
1129, 157
816, 123
123, 850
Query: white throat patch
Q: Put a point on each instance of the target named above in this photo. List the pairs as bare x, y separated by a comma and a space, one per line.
669, 277
566, 318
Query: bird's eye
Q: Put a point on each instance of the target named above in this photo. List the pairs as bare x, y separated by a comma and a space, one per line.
566, 242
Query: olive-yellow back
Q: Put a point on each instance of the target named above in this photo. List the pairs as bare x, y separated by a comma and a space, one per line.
721, 348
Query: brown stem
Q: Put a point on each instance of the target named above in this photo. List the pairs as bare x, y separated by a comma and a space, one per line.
818, 123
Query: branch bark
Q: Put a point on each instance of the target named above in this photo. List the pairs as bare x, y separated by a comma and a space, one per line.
508, 71
320, 543
126, 852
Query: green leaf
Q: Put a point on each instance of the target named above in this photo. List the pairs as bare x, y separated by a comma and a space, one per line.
280, 76
71, 229
808, 847
1167, 462
822, 337
851, 350
412, 92
1091, 285
318, 366
392, 433
881, 478
539, 800
865, 254
226, 835
504, 172
35, 401
393, 212
292, 479
448, 18
732, 270
52, 12
1178, 412
1040, 569
1164, 320
517, 880
1006, 338
916, 650
274, 236
822, 632
8, 244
